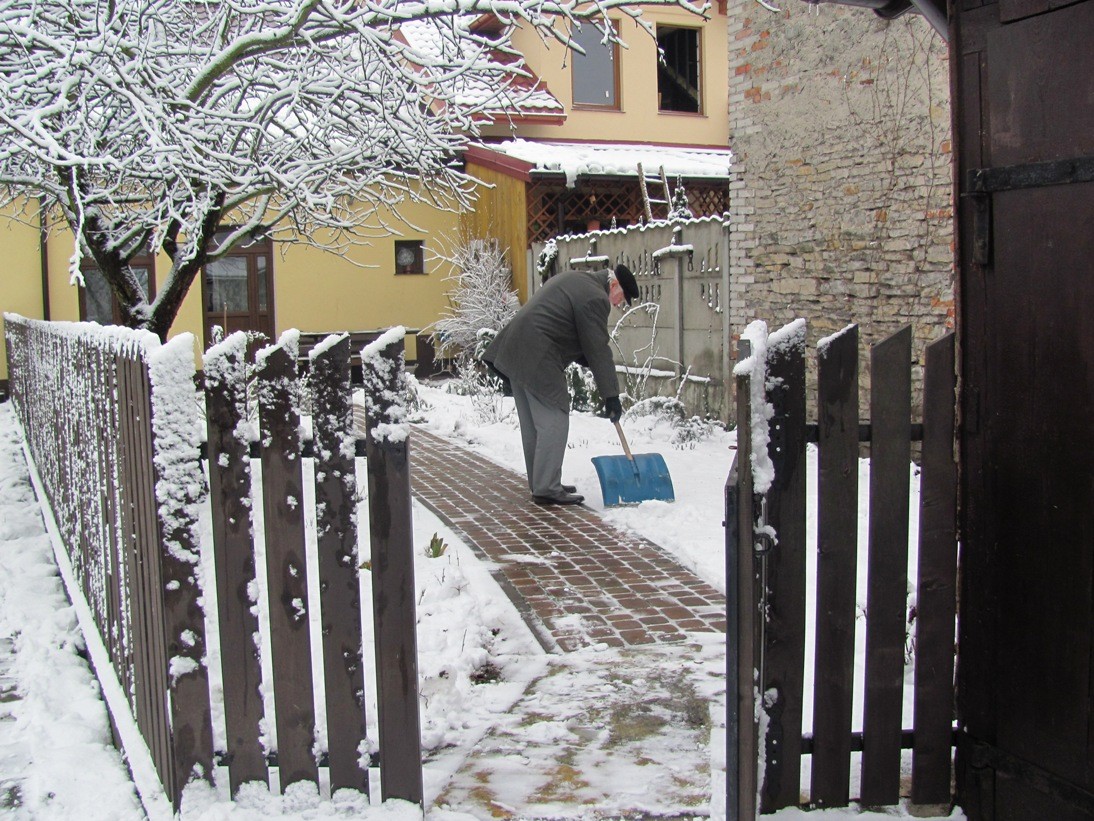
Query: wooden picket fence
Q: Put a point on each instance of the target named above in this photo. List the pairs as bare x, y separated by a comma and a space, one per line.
108, 434
766, 554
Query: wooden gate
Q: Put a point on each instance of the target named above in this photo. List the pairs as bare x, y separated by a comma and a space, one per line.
1024, 97
767, 556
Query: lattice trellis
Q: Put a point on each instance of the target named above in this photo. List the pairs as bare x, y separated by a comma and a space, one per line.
552, 208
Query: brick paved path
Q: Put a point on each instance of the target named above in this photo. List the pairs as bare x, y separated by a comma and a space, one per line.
576, 579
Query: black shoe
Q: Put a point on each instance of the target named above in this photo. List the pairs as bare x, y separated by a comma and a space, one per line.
564, 499
570, 488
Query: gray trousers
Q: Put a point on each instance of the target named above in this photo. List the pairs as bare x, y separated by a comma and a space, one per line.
543, 431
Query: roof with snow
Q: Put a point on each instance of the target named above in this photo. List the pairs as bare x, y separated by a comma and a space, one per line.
521, 96
574, 159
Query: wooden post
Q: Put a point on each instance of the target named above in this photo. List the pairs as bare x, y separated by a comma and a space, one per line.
286, 567
837, 548
391, 540
339, 586
234, 557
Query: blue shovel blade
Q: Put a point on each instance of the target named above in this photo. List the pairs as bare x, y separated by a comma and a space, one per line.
625, 483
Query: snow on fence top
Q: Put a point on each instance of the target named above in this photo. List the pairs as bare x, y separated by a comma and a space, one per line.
385, 388
325, 344
826, 342
108, 337
177, 428
788, 337
755, 367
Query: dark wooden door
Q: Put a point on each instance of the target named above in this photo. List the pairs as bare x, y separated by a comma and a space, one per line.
1024, 103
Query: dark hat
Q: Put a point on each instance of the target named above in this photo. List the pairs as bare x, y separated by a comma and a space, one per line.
627, 282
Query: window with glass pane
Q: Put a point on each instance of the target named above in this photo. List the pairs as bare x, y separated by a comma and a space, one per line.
596, 72
678, 71
97, 303
226, 285
409, 256
98, 300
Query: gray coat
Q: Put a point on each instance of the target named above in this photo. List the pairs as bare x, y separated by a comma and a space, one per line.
565, 321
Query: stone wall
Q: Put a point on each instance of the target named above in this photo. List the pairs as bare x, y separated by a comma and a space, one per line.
841, 202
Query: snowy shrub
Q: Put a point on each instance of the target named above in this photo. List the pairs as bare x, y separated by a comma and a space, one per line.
687, 431
584, 395
482, 296
416, 405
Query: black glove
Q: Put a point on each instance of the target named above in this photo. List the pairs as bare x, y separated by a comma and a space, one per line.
613, 409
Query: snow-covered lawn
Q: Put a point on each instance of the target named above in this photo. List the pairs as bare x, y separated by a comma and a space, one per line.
466, 622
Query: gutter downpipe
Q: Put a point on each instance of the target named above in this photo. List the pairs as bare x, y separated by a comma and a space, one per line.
935, 16
43, 252
891, 9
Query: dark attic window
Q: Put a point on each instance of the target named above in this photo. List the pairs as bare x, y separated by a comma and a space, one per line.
409, 256
679, 70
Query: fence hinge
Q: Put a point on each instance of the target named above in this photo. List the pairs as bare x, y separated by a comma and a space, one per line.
981, 228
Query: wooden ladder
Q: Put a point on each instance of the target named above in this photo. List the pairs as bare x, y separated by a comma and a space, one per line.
663, 180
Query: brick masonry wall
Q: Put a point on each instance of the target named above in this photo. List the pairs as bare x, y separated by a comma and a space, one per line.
841, 199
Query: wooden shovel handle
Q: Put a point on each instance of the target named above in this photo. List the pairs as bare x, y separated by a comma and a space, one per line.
623, 439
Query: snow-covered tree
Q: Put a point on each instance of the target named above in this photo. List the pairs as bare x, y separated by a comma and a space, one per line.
482, 295
151, 125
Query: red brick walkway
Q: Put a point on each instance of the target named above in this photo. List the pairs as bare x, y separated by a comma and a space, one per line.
576, 579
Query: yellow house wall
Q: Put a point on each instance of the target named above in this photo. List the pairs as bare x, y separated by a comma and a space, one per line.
314, 290
21, 281
319, 291
501, 214
638, 118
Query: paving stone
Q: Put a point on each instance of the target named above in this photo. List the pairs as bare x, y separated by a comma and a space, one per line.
562, 561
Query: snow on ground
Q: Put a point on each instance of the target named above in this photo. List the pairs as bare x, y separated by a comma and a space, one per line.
466, 626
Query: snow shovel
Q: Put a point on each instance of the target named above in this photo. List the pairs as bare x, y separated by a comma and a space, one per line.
634, 478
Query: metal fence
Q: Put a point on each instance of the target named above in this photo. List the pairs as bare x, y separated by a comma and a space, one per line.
766, 554
111, 419
676, 338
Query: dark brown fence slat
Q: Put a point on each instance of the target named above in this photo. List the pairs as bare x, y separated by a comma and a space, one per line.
937, 585
286, 567
887, 586
747, 617
335, 499
391, 539
784, 652
837, 547
234, 558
